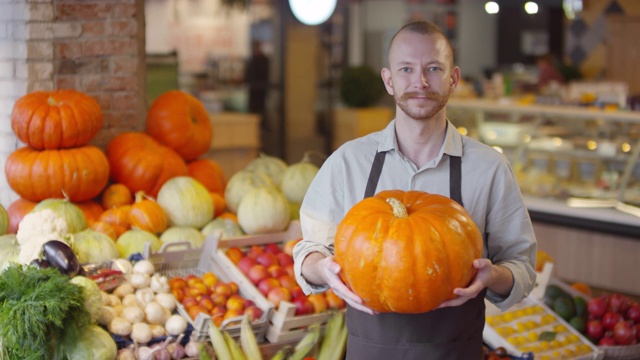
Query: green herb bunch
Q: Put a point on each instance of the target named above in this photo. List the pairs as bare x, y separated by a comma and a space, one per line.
38, 308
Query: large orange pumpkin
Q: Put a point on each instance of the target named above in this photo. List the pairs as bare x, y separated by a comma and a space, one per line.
59, 119
141, 163
405, 252
180, 121
79, 174
208, 173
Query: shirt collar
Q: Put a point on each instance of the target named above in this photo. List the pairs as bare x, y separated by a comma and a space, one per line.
452, 143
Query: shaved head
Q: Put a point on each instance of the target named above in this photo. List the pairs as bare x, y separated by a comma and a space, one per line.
424, 28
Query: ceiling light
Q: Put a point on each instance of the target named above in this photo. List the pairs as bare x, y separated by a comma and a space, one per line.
491, 7
531, 7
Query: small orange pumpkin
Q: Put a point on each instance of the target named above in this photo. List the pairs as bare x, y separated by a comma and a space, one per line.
209, 173
116, 195
219, 204
59, 119
16, 211
107, 229
78, 174
146, 214
141, 163
180, 121
91, 210
406, 252
117, 216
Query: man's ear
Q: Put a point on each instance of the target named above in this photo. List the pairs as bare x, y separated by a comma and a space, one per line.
454, 78
386, 79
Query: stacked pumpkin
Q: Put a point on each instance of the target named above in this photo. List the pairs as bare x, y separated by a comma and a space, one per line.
57, 161
57, 174
153, 199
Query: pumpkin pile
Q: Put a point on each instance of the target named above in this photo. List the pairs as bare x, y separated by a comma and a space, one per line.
162, 189
57, 162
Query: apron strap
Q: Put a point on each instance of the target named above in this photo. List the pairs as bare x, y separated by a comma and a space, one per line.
455, 179
455, 176
374, 174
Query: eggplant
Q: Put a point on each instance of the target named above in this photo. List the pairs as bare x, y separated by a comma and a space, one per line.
61, 257
40, 264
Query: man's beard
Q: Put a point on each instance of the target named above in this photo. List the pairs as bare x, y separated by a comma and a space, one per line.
437, 103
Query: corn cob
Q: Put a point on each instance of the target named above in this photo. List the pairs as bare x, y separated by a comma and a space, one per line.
217, 340
248, 340
282, 354
307, 343
234, 348
331, 336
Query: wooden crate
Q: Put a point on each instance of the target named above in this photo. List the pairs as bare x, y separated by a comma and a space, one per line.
179, 259
284, 326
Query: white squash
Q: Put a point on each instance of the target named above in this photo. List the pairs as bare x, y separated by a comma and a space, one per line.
227, 227
271, 166
181, 234
132, 241
240, 184
4, 221
186, 202
296, 180
93, 247
72, 215
263, 210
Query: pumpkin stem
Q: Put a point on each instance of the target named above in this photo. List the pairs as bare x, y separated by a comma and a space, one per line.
51, 101
399, 210
140, 195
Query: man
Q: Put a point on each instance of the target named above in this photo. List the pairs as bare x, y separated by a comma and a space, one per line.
257, 78
423, 151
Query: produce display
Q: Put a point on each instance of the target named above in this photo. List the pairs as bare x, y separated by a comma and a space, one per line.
213, 298
270, 268
531, 327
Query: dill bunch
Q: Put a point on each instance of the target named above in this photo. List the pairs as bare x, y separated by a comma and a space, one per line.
38, 307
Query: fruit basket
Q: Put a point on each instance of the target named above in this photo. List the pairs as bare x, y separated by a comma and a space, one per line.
531, 327
179, 259
284, 324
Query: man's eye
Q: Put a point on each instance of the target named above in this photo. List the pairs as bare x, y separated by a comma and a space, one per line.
433, 68
405, 69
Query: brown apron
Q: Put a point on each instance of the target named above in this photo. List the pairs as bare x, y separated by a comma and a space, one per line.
449, 333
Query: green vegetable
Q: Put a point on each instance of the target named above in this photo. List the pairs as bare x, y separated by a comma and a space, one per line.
93, 247
94, 343
39, 308
92, 296
9, 250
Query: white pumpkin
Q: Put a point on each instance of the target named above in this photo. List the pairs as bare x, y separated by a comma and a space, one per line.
72, 215
271, 166
240, 184
296, 180
227, 227
263, 210
93, 247
186, 202
183, 233
133, 241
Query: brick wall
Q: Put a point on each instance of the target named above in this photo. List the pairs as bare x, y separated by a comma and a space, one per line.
93, 46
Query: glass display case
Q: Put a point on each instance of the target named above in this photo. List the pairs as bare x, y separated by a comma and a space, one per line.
566, 158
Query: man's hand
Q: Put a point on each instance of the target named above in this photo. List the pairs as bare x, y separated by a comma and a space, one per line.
327, 270
497, 278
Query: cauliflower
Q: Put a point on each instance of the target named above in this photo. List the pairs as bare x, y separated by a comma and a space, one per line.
36, 229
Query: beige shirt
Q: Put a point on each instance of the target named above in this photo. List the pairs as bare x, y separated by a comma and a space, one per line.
490, 195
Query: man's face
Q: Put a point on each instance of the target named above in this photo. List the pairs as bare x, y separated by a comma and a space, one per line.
420, 75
